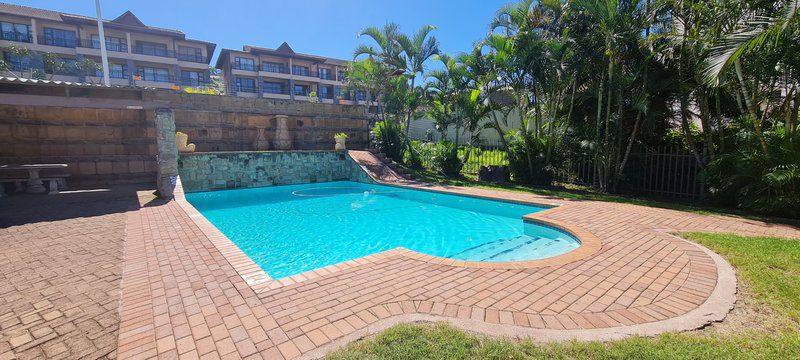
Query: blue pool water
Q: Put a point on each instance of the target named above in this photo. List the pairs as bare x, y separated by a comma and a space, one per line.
288, 230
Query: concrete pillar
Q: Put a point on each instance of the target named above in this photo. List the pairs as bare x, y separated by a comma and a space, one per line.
167, 153
130, 45
291, 88
81, 74
260, 86
131, 70
34, 32
177, 71
232, 85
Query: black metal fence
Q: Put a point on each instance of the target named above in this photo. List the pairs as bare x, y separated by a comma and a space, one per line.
665, 172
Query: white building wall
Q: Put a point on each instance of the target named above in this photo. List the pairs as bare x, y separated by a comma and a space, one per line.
488, 136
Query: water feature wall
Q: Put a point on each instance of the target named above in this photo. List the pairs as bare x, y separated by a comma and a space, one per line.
232, 170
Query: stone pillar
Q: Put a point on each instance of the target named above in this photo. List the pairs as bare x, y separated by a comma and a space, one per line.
283, 139
260, 85
291, 89
232, 85
167, 153
34, 32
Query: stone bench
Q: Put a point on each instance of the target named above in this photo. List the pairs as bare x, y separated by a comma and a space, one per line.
55, 182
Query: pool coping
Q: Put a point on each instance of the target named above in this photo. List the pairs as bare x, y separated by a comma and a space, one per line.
260, 281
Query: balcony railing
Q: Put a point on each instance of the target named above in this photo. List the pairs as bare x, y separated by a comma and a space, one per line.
273, 68
327, 76
157, 78
247, 67
153, 51
15, 36
246, 89
302, 72
194, 83
193, 58
61, 42
282, 91
94, 44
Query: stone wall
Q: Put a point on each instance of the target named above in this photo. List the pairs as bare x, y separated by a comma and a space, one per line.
221, 170
108, 135
229, 123
99, 145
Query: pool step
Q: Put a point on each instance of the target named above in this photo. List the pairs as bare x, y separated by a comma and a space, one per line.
503, 249
399, 169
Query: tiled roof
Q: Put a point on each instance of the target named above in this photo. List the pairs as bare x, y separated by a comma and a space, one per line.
9, 79
59, 16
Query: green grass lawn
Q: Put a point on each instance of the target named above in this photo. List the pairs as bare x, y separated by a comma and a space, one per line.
768, 268
579, 193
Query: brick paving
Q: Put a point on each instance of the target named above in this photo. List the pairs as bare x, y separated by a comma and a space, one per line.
60, 271
185, 295
188, 293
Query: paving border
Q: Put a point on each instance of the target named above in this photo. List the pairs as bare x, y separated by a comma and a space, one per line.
714, 309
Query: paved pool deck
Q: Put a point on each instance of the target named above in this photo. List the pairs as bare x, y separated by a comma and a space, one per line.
127, 276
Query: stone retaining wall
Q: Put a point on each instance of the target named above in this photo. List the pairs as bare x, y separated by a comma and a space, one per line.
107, 135
231, 170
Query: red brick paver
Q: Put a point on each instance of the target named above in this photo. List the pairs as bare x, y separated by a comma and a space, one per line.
186, 293
60, 272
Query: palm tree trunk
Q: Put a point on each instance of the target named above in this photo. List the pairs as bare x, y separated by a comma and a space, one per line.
631, 139
705, 120
751, 109
598, 120
720, 127
500, 133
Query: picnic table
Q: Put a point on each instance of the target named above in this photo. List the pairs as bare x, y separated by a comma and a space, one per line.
35, 184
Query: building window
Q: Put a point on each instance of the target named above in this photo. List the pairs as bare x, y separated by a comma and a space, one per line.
273, 87
193, 78
301, 90
341, 75
15, 32
154, 74
112, 43
245, 85
115, 71
273, 67
59, 37
326, 92
188, 53
148, 48
17, 63
361, 95
325, 74
300, 70
244, 64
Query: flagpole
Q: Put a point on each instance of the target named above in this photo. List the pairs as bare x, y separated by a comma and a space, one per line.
103, 53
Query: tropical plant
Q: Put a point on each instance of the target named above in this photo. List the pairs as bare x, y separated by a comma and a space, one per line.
388, 138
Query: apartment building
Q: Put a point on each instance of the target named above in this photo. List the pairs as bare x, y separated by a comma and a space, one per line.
138, 54
283, 73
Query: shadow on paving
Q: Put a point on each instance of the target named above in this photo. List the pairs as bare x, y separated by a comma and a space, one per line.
61, 271
20, 208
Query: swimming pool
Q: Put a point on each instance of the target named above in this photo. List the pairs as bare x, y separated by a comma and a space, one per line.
287, 230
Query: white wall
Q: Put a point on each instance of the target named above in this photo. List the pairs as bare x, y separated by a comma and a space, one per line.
487, 136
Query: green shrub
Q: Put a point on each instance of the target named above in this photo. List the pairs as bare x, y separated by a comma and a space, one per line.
520, 166
445, 158
388, 138
747, 178
412, 156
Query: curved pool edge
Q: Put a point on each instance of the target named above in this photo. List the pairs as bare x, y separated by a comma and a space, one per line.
260, 281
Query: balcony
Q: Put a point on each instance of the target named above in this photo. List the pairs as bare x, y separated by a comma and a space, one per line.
156, 78
194, 83
153, 52
15, 36
246, 89
193, 58
274, 68
95, 44
60, 42
246, 67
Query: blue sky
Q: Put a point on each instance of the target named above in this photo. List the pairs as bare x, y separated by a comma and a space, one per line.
326, 28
